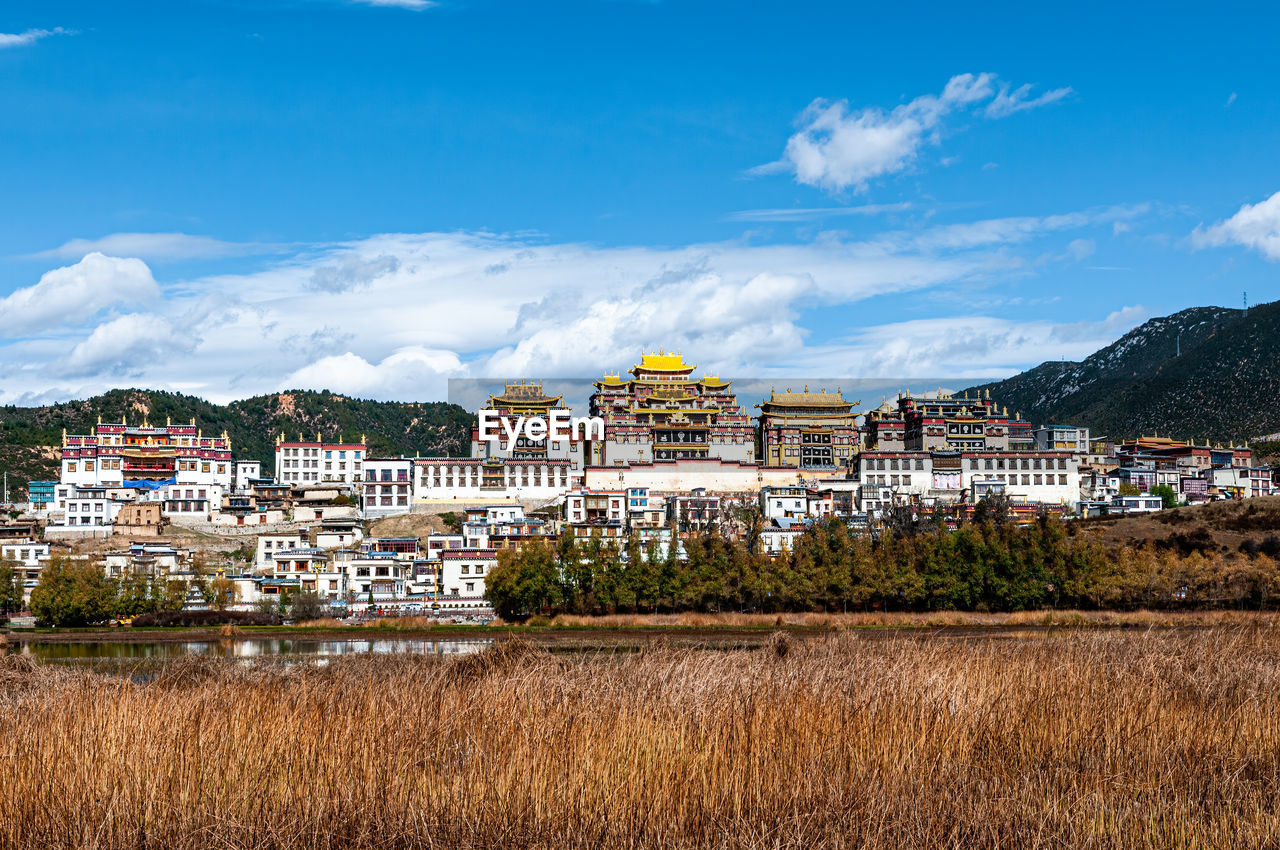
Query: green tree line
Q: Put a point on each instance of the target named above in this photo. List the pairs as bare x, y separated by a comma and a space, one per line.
987, 564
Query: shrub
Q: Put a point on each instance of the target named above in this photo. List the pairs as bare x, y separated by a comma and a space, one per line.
205, 618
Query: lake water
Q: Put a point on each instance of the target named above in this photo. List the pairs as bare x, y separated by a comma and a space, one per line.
246, 648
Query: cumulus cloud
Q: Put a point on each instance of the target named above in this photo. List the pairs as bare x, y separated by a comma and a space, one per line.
73, 294
838, 147
394, 316
158, 246
410, 372
21, 39
1255, 226
128, 346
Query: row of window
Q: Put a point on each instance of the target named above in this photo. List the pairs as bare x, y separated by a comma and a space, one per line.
328, 453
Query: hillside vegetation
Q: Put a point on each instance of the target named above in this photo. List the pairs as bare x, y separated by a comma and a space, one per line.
1207, 373
30, 436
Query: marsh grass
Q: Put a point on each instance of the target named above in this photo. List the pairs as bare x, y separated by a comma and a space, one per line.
905, 619
1071, 739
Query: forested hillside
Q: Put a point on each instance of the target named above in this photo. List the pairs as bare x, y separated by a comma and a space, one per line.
30, 436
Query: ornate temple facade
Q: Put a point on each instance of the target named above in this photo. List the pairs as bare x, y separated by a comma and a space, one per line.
118, 454
662, 413
526, 398
943, 422
808, 430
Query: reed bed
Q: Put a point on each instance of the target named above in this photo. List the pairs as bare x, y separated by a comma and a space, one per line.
906, 619
1075, 739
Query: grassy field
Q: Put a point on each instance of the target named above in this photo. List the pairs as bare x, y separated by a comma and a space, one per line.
1081, 738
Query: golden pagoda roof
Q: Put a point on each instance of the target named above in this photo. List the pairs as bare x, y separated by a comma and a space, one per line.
612, 381
809, 399
524, 392
662, 361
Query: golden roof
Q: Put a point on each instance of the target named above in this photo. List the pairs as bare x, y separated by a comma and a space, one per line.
808, 399
661, 361
525, 392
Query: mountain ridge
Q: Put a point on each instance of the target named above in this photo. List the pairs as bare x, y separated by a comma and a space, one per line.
1204, 373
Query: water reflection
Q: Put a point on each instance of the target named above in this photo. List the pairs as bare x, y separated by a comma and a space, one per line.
249, 648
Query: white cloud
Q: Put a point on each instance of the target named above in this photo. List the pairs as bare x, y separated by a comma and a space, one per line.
352, 272
410, 372
1008, 102
394, 316
127, 346
838, 147
21, 39
73, 294
812, 213
159, 246
415, 5
1255, 226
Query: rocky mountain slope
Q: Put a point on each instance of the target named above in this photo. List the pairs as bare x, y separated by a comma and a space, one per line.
1209, 373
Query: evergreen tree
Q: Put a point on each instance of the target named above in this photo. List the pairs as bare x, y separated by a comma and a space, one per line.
72, 594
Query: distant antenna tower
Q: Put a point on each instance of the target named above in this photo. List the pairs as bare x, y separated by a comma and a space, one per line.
1245, 296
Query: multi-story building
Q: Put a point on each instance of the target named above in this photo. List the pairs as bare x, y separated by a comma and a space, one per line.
503, 527
894, 477
1062, 438
243, 472
189, 500
120, 454
808, 430
270, 545
784, 502
387, 487
89, 510
942, 422
28, 558
305, 461
695, 512
150, 559
526, 399
592, 512
448, 479
662, 413
40, 495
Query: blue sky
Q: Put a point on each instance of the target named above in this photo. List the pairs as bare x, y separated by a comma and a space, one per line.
236, 197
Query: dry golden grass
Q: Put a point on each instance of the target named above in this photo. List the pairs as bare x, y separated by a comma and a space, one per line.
1141, 618
1081, 739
